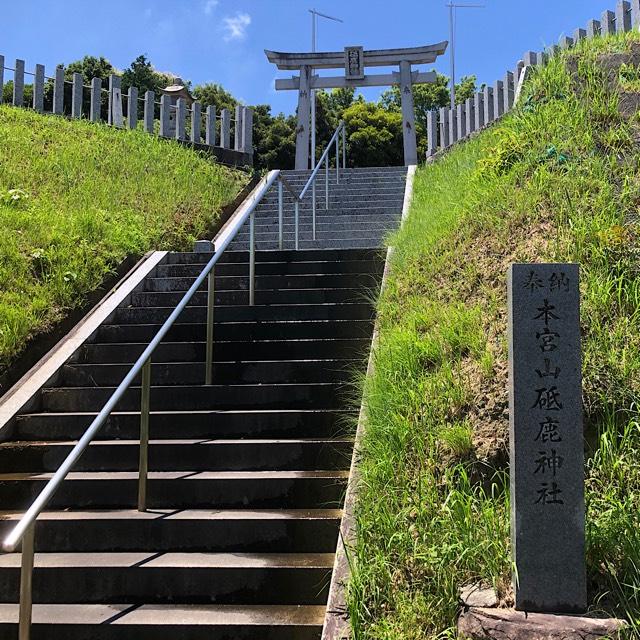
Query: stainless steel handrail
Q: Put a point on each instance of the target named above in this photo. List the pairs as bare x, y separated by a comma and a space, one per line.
311, 183
24, 531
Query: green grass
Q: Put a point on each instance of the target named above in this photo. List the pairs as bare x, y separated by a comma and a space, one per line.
76, 198
558, 179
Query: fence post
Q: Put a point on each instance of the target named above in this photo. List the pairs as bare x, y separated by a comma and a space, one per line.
635, 15
247, 130
225, 129
432, 133
498, 99
149, 110
579, 34
461, 118
453, 128
594, 28
444, 128
132, 107
165, 107
58, 91
1, 77
38, 88
508, 91
95, 106
470, 116
608, 23
565, 43
196, 117
210, 126
623, 16
18, 84
478, 110
530, 59
516, 76
488, 105
118, 118
114, 83
181, 118
238, 129
76, 96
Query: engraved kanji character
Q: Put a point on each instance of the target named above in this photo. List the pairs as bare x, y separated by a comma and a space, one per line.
547, 370
551, 462
549, 496
549, 431
558, 281
547, 338
533, 282
548, 399
546, 313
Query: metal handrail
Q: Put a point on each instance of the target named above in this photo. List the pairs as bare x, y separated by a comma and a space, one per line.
24, 531
311, 182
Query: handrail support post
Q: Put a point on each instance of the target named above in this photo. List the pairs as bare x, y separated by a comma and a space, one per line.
252, 258
297, 223
280, 216
337, 159
344, 147
26, 583
326, 179
143, 467
211, 292
313, 215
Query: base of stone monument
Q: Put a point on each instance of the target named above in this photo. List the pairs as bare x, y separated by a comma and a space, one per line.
478, 623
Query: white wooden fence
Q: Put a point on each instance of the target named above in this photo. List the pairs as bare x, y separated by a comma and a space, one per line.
448, 126
208, 128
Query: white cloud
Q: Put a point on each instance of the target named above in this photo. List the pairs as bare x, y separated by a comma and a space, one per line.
209, 6
236, 26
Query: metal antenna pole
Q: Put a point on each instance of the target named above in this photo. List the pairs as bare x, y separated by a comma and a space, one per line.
314, 31
452, 43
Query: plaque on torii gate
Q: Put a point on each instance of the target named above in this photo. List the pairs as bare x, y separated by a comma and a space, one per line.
354, 60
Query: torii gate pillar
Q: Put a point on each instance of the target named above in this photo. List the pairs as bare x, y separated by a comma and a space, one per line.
354, 60
408, 115
304, 115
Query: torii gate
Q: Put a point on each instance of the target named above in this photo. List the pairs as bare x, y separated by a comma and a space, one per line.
354, 60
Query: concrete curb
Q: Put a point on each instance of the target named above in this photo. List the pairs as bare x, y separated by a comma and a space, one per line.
336, 622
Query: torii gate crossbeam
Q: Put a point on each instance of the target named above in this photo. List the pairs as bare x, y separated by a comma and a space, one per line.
354, 60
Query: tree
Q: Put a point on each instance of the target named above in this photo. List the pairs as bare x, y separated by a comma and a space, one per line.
142, 75
274, 139
216, 95
90, 67
374, 135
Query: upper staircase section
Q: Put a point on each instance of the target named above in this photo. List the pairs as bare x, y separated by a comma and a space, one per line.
364, 206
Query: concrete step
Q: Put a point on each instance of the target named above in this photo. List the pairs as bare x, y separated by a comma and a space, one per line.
241, 282
182, 455
274, 255
167, 622
164, 530
181, 490
243, 313
256, 423
346, 209
264, 396
262, 297
340, 371
239, 331
170, 578
235, 351
347, 243
373, 267
323, 229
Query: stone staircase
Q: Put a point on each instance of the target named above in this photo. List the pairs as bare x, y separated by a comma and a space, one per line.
246, 476
363, 207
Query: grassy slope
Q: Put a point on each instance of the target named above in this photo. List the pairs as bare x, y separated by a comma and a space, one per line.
89, 196
557, 180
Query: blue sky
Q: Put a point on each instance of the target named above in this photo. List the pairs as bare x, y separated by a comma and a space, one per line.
223, 40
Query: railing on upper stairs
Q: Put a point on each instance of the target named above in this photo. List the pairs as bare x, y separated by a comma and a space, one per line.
24, 531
